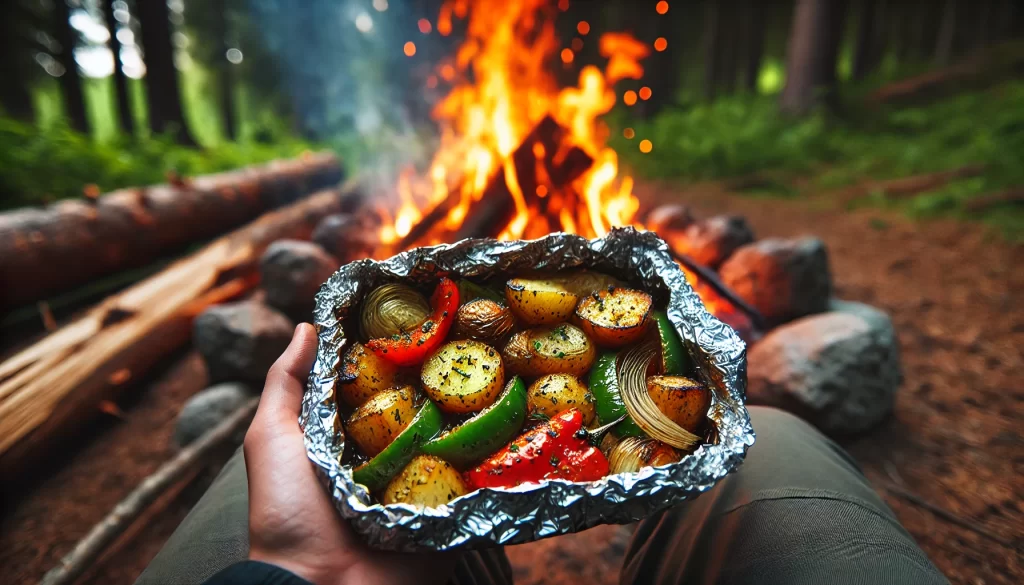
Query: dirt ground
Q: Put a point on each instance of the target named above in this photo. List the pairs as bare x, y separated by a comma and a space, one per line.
954, 440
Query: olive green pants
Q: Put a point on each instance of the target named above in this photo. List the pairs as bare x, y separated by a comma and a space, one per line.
798, 511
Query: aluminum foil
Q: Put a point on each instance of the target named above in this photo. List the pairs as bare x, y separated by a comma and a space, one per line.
529, 512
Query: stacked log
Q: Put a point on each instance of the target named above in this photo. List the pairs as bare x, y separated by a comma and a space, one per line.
53, 249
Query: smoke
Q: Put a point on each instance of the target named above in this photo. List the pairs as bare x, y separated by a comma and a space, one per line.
348, 80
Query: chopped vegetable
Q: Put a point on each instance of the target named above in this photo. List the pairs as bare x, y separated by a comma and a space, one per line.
392, 309
382, 418
426, 482
683, 400
483, 320
376, 472
632, 374
553, 394
463, 376
632, 453
674, 359
604, 385
411, 348
563, 349
470, 291
364, 374
587, 282
558, 449
486, 432
614, 317
539, 302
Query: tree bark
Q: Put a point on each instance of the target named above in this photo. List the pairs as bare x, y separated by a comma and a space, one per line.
70, 81
947, 32
712, 48
728, 41
43, 251
224, 70
755, 11
862, 54
52, 388
163, 96
811, 56
124, 105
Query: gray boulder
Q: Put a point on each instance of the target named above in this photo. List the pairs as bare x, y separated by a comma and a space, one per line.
207, 409
346, 236
291, 272
712, 240
240, 341
839, 370
783, 279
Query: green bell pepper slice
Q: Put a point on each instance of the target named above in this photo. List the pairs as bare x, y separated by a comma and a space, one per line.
469, 291
674, 359
604, 385
377, 472
490, 430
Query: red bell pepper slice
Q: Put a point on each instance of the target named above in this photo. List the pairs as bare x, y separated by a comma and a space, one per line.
412, 348
557, 449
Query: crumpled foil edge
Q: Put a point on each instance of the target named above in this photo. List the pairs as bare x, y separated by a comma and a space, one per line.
530, 512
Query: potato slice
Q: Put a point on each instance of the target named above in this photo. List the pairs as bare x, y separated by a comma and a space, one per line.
382, 418
426, 482
364, 374
556, 393
614, 317
586, 282
463, 376
683, 400
563, 349
539, 302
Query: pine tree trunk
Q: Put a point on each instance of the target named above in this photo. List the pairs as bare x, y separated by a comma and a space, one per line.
947, 31
124, 105
224, 70
728, 42
863, 62
755, 11
712, 48
15, 64
70, 82
163, 96
811, 56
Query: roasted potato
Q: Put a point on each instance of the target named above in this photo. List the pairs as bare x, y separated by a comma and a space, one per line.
587, 282
614, 317
556, 393
483, 320
463, 376
382, 418
563, 349
426, 482
540, 302
681, 399
364, 374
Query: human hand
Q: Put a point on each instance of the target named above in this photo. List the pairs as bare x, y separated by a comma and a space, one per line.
292, 523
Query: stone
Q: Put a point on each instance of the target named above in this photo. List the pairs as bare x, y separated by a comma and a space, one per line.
240, 341
839, 370
207, 408
291, 272
346, 236
783, 279
711, 241
668, 219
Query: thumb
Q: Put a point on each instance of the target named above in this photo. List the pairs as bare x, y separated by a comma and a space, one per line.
286, 380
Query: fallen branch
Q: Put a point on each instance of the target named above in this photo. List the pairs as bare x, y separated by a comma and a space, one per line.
907, 186
87, 550
710, 278
1012, 196
54, 386
56, 248
947, 515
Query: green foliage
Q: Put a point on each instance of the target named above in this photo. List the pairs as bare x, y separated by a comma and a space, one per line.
53, 162
744, 135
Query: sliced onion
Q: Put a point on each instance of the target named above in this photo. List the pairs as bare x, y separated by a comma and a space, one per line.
632, 453
392, 309
632, 374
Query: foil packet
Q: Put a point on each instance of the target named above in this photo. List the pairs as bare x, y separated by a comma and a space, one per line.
529, 512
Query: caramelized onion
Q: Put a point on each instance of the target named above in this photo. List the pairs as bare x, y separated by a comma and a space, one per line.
632, 453
392, 309
632, 374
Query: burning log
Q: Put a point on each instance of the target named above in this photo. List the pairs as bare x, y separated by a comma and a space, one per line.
538, 162
48, 250
52, 387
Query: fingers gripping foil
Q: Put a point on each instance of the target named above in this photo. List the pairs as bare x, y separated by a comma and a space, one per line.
533, 511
